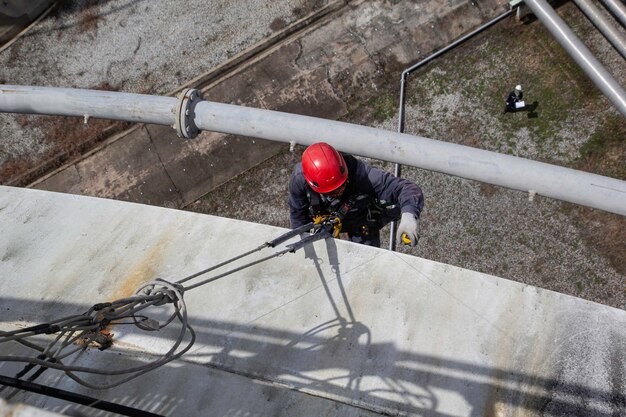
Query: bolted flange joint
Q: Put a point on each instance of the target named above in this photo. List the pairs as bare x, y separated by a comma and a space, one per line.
184, 122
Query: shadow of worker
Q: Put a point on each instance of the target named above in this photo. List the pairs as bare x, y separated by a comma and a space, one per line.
531, 109
328, 338
520, 106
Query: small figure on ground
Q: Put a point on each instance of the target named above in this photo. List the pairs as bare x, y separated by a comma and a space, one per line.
328, 182
514, 101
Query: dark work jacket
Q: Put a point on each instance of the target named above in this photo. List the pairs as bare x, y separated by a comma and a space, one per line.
367, 188
513, 98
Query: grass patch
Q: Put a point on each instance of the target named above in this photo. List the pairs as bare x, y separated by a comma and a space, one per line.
375, 109
579, 286
605, 152
606, 232
384, 107
485, 70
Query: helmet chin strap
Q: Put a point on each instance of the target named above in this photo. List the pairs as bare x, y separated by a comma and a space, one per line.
333, 202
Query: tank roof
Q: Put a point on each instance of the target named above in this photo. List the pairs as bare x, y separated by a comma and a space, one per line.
335, 329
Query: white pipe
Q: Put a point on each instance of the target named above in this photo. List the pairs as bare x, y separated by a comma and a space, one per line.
579, 52
463, 161
128, 107
603, 24
504, 170
618, 9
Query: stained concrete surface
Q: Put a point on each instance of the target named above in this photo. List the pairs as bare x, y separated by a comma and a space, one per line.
338, 329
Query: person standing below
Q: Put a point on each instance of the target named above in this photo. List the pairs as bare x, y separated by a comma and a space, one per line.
328, 182
514, 101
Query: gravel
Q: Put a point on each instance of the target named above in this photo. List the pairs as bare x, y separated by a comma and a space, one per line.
133, 46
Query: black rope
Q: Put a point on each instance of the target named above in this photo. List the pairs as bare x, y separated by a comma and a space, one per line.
74, 397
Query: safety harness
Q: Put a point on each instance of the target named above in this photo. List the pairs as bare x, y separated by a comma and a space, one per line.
366, 209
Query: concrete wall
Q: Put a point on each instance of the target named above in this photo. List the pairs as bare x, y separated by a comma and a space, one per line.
339, 329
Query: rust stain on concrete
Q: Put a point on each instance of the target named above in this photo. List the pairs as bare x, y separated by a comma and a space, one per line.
145, 268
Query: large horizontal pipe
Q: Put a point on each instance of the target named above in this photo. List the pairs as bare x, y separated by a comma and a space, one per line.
504, 170
128, 107
603, 24
579, 52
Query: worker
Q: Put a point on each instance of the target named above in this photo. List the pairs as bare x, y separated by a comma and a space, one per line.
514, 101
328, 182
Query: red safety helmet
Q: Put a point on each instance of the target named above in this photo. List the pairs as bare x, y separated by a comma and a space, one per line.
324, 168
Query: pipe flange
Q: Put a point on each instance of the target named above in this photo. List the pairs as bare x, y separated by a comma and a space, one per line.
185, 117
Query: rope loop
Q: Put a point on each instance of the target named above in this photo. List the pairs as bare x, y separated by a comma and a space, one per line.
163, 292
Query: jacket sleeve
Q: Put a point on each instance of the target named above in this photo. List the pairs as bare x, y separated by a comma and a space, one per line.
397, 191
298, 200
514, 98
510, 100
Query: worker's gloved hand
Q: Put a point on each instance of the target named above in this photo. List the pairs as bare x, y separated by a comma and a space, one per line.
409, 224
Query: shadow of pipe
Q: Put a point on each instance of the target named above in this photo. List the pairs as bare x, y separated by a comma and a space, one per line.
336, 361
370, 376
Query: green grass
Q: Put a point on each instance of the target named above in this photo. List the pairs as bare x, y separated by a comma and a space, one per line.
385, 107
579, 286
605, 151
373, 109
533, 58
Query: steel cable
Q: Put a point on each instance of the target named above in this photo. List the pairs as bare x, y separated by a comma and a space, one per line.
74, 334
